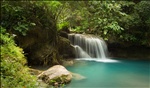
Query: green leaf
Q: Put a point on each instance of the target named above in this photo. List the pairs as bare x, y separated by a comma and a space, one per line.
32, 24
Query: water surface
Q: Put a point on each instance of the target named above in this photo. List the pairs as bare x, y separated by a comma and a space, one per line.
122, 74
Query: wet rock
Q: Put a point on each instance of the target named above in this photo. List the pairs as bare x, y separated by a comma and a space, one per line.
56, 75
65, 49
63, 34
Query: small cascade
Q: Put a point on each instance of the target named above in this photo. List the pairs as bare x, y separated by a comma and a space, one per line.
89, 47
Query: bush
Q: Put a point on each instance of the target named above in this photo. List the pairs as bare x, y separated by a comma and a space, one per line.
14, 73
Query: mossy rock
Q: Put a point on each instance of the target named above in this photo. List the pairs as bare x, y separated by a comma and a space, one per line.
58, 81
65, 48
56, 75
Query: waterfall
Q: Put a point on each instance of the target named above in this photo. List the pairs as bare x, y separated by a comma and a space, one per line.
89, 47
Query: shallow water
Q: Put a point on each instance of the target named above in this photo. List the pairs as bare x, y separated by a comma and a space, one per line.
122, 74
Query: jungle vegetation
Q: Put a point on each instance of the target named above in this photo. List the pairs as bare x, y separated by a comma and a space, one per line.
121, 21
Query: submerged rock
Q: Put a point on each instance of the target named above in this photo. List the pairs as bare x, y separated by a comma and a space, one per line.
56, 75
77, 76
68, 62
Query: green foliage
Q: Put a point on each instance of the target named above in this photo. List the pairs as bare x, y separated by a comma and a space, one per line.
62, 25
137, 24
14, 17
105, 18
54, 6
19, 17
124, 20
14, 73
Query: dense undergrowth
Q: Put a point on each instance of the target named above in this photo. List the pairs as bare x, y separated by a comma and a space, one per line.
30, 25
14, 72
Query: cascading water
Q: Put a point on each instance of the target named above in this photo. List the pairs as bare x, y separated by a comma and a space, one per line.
89, 47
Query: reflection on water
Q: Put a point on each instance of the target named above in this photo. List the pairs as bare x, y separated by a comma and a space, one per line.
123, 74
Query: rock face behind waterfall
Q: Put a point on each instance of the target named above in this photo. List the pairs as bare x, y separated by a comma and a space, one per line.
65, 49
43, 47
56, 75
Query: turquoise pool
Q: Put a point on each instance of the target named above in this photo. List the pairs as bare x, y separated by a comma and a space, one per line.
122, 74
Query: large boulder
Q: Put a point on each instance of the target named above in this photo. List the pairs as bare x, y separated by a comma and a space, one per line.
56, 75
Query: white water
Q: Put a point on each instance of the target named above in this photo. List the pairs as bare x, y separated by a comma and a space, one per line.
89, 47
